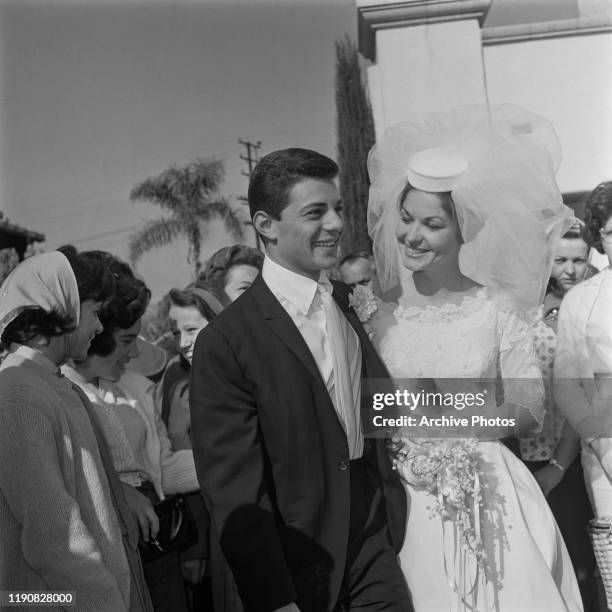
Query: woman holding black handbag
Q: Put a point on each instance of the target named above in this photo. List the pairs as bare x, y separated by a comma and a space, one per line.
146, 464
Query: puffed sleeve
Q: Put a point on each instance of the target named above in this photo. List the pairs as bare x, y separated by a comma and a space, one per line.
521, 377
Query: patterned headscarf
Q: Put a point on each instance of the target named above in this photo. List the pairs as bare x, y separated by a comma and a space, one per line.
44, 281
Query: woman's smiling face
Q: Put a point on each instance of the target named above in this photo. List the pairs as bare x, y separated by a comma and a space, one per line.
427, 233
187, 322
112, 366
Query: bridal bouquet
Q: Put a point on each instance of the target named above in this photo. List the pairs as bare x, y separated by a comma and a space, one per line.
448, 469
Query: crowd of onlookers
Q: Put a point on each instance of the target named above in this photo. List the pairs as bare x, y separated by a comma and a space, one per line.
95, 422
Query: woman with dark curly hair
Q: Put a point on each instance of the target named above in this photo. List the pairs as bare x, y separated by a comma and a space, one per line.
583, 357
142, 454
233, 269
63, 509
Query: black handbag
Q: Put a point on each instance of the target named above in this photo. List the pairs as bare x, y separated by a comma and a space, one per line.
177, 529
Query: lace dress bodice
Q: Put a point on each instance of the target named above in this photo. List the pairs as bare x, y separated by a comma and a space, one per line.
479, 338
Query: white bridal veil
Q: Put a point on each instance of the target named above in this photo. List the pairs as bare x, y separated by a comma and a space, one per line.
501, 176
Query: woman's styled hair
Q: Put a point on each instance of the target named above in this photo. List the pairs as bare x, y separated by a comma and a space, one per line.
222, 261
126, 305
94, 282
447, 200
35, 322
597, 211
198, 295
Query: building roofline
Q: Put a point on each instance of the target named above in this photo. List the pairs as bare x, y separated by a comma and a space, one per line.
16, 230
376, 15
502, 35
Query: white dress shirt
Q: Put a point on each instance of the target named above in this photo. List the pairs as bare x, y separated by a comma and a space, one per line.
331, 340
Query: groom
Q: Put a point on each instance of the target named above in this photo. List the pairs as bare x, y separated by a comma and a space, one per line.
309, 514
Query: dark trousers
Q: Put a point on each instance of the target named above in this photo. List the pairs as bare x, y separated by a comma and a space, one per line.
373, 579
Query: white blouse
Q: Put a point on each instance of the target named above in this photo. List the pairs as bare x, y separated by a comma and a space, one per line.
584, 352
136, 435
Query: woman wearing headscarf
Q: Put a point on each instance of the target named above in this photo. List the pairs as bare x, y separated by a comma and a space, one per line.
64, 525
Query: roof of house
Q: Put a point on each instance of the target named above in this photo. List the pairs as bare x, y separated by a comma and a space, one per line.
15, 231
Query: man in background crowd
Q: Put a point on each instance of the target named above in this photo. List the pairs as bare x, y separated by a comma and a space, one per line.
357, 269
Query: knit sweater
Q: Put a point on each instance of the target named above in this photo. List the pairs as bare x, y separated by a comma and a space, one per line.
169, 471
58, 528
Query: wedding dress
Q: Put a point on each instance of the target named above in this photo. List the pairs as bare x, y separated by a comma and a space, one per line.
527, 567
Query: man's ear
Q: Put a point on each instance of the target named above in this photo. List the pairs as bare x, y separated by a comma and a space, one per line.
265, 225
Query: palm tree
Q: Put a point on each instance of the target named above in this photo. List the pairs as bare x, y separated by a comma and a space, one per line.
191, 195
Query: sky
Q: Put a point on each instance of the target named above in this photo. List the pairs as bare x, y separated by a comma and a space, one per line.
97, 95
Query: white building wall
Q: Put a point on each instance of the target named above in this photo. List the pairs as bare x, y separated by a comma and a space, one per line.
569, 81
425, 68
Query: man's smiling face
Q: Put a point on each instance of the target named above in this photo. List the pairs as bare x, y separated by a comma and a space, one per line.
305, 238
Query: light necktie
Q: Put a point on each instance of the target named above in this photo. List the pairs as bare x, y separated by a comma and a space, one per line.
346, 376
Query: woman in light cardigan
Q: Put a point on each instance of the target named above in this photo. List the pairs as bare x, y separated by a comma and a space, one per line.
583, 357
142, 455
62, 512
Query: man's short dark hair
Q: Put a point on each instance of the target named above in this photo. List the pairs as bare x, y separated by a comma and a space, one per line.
277, 172
350, 257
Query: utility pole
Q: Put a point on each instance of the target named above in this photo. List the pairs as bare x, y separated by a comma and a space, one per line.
252, 154
251, 158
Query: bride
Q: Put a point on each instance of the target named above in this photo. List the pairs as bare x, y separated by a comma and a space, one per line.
463, 211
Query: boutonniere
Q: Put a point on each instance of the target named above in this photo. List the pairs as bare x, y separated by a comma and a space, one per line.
363, 302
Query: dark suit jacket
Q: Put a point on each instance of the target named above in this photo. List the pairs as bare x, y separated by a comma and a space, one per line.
272, 456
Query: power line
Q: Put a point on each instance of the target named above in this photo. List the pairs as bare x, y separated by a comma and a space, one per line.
112, 232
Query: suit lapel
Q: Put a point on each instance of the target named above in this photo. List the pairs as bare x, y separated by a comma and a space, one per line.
372, 366
283, 326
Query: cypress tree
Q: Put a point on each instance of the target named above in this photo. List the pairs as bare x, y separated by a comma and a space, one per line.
355, 136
